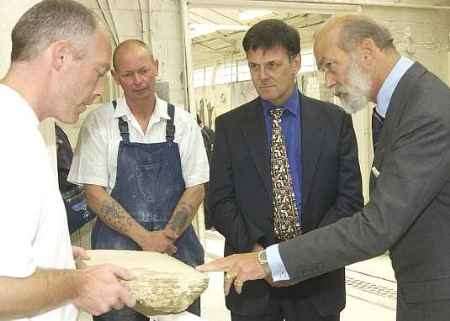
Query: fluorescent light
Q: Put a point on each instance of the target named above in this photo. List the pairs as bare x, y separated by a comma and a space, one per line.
252, 14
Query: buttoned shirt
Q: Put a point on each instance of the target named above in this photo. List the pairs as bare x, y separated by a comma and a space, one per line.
95, 157
291, 127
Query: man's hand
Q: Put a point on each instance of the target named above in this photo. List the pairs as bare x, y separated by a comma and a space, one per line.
238, 267
160, 241
99, 290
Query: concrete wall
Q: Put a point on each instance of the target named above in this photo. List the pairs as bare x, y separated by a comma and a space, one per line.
159, 25
423, 35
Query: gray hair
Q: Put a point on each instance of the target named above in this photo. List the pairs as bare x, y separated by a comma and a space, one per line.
49, 21
354, 29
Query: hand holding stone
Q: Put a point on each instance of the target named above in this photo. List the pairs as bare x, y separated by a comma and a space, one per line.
98, 289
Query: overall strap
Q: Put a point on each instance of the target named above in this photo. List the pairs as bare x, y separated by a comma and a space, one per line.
123, 126
170, 126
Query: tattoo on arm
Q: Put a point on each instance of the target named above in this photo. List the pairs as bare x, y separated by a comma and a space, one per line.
115, 216
181, 217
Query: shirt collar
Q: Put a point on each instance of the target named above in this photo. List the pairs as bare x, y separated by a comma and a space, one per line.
159, 113
390, 83
292, 104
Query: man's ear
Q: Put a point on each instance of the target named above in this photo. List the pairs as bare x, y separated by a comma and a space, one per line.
367, 50
61, 53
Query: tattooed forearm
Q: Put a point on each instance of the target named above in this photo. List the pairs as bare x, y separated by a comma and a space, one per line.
110, 208
186, 209
110, 212
115, 216
182, 217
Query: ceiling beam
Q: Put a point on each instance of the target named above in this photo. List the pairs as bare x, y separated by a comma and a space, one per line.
313, 6
307, 6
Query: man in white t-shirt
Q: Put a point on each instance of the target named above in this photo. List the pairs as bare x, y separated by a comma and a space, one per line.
59, 54
143, 165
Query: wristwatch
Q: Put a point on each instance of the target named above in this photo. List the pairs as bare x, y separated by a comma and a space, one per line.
262, 260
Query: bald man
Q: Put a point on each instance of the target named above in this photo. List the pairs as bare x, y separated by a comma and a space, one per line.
143, 165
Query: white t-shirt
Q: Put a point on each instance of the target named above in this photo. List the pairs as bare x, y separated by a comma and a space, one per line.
33, 223
95, 157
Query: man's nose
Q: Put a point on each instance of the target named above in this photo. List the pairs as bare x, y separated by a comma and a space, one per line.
137, 78
263, 74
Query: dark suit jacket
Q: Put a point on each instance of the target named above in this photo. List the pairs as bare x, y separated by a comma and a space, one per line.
409, 210
240, 195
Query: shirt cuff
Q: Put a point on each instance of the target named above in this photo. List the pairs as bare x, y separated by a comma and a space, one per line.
276, 265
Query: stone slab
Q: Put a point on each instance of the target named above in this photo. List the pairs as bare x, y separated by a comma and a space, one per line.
162, 284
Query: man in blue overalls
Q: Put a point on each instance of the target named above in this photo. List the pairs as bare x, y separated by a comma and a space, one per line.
143, 165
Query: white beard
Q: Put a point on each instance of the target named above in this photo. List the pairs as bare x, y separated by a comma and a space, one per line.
354, 95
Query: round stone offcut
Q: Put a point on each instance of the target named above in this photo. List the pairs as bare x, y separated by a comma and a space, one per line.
162, 284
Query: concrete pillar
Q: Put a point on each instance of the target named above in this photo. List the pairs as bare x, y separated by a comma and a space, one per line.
448, 70
362, 124
168, 45
158, 23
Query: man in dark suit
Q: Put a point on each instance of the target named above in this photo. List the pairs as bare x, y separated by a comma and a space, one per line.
409, 209
325, 179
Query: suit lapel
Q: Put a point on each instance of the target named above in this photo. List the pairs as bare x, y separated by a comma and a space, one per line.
396, 108
254, 130
312, 135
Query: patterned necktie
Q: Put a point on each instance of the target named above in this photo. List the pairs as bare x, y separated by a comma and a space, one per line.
285, 213
377, 125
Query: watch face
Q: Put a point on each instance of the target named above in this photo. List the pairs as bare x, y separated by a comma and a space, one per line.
262, 258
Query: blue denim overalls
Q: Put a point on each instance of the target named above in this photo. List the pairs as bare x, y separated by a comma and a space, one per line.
149, 184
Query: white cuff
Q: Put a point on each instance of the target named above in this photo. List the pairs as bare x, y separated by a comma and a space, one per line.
276, 265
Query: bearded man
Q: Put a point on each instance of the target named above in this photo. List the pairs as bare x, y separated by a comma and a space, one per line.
408, 211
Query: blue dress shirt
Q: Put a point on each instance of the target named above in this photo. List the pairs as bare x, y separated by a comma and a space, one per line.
390, 83
290, 125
